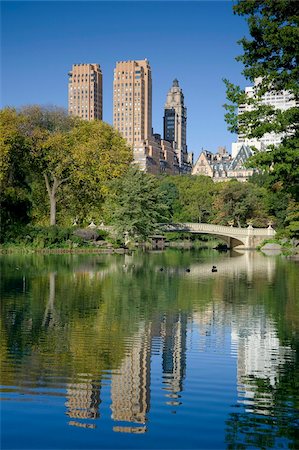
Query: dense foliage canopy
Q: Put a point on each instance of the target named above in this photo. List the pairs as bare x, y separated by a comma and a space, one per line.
49, 158
271, 56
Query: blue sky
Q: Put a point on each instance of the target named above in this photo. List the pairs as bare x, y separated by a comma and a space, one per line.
195, 42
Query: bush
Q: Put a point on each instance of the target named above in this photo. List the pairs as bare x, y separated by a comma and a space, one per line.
42, 237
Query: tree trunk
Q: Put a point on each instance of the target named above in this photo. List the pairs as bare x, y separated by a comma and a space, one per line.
52, 209
52, 195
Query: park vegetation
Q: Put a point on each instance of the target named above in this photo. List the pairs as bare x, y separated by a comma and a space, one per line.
57, 171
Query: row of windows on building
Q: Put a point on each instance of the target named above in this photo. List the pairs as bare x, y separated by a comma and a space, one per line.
82, 108
87, 101
128, 99
126, 77
123, 90
121, 104
83, 96
123, 85
128, 93
124, 124
127, 84
127, 111
82, 75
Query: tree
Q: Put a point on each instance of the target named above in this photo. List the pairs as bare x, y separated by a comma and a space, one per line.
136, 205
70, 159
282, 166
170, 195
194, 202
271, 54
14, 192
47, 133
239, 202
292, 220
199, 199
100, 155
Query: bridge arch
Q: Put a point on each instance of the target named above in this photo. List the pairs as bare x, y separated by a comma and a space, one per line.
248, 237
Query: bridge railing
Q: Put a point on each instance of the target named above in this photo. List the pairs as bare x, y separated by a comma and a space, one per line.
210, 228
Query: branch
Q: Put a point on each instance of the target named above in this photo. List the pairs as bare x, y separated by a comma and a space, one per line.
62, 181
47, 183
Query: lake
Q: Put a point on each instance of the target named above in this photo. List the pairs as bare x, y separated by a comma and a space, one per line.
149, 350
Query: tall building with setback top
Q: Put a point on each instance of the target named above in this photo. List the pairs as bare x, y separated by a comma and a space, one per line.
132, 117
85, 91
175, 125
132, 101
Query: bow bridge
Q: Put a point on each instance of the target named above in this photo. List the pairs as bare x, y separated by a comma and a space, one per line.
248, 238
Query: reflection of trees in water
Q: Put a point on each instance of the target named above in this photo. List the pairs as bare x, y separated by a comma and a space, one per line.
85, 316
267, 375
274, 413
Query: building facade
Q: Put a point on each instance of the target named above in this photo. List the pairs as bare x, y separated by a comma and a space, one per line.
282, 100
132, 101
175, 125
132, 117
85, 91
222, 166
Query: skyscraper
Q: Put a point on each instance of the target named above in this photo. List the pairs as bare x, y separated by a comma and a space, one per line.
175, 125
86, 91
132, 101
132, 117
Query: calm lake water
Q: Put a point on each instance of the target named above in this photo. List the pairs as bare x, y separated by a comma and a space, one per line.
149, 351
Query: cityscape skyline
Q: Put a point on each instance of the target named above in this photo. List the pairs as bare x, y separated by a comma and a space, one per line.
199, 54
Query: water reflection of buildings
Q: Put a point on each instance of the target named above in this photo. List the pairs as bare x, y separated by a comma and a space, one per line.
130, 388
259, 353
83, 400
212, 323
260, 358
173, 333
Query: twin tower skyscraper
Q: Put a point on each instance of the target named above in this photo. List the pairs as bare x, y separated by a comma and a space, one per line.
132, 113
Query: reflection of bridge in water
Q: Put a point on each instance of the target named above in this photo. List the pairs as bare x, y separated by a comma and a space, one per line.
248, 238
249, 263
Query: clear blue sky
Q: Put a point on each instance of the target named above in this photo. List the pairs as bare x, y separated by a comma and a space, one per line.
195, 42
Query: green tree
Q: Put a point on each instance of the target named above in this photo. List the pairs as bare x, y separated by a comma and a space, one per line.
68, 159
170, 195
14, 192
195, 198
199, 199
239, 202
50, 149
270, 54
100, 155
136, 205
292, 219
